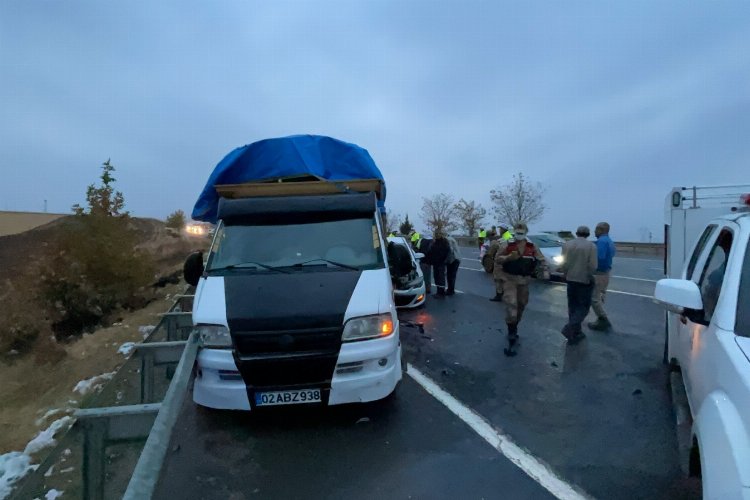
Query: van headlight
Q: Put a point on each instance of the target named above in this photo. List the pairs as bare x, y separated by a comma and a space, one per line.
368, 327
214, 336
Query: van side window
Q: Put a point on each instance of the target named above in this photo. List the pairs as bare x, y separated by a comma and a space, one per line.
713, 274
699, 250
742, 326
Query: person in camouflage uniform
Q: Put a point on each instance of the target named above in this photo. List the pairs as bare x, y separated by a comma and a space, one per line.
516, 262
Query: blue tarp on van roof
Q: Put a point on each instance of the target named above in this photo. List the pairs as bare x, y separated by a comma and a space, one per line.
317, 155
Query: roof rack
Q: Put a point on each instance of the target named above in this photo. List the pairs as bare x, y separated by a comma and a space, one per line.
708, 196
297, 186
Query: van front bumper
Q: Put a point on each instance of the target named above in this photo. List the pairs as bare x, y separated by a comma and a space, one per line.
368, 370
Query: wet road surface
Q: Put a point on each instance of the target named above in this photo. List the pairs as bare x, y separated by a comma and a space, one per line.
407, 447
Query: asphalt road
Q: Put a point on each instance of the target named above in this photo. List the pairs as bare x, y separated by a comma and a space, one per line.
595, 416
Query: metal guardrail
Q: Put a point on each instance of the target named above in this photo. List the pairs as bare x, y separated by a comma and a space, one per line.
106, 423
625, 246
102, 426
640, 248
143, 481
152, 355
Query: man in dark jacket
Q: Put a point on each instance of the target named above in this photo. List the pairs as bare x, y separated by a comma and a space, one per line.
437, 257
423, 246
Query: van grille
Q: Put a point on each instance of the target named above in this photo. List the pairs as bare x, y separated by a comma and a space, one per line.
288, 357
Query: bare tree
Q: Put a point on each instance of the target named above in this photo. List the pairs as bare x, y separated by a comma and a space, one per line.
519, 201
391, 222
470, 214
439, 213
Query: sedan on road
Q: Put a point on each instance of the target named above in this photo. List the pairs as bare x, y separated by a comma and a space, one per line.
409, 288
551, 248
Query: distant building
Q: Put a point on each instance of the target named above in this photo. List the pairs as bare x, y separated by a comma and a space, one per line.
18, 222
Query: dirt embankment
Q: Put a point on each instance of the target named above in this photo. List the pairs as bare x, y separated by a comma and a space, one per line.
38, 381
19, 251
29, 390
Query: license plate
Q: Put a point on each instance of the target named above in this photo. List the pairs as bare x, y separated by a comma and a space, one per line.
295, 397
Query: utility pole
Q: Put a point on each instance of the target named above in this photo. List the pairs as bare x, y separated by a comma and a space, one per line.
45, 206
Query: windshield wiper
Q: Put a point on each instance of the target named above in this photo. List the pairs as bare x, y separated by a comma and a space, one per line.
337, 264
244, 265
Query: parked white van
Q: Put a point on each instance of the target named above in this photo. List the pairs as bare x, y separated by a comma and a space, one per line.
708, 341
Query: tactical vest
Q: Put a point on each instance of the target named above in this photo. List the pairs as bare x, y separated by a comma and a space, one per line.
526, 265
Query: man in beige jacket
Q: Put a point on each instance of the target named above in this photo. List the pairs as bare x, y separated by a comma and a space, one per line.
580, 259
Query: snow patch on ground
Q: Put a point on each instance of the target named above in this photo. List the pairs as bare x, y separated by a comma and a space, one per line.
85, 386
16, 464
13, 466
53, 494
46, 438
44, 417
146, 330
126, 348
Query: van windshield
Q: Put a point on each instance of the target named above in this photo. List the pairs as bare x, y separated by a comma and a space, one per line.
338, 244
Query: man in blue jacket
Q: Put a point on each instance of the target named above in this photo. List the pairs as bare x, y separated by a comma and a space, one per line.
605, 250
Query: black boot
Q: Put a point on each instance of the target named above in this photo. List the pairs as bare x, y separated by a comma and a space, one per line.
497, 298
601, 325
511, 350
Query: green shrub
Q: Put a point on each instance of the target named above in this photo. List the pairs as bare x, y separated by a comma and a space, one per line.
96, 268
176, 220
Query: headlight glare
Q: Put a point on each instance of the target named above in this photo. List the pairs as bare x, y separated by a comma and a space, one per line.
559, 259
368, 327
214, 336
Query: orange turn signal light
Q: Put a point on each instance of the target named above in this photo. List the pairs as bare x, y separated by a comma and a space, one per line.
386, 327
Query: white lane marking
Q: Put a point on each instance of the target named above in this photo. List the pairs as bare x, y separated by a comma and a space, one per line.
533, 467
432, 283
470, 269
475, 260
634, 279
631, 293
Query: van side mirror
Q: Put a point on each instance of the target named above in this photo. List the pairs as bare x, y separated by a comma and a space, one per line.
696, 316
679, 293
193, 268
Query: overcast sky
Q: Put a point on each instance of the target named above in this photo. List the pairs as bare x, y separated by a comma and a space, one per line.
609, 104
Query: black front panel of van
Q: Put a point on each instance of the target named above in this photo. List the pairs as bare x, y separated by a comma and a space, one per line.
286, 328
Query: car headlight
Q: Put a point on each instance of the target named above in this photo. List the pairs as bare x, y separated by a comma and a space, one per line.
368, 327
214, 336
559, 259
